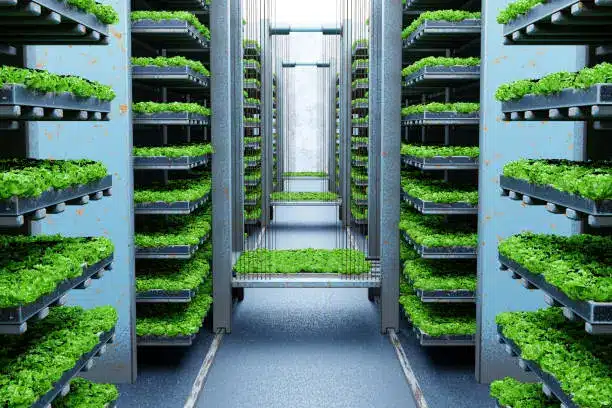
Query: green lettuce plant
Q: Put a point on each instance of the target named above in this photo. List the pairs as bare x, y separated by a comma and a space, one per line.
458, 107
157, 107
437, 319
427, 151
172, 275
425, 274
517, 9
175, 190
173, 231
437, 231
197, 66
193, 150
103, 12
515, 394
86, 394
303, 196
346, 261
437, 191
440, 62
440, 15
172, 15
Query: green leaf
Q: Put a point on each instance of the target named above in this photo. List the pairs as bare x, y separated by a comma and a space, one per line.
171, 62
346, 261
440, 319
439, 15
172, 15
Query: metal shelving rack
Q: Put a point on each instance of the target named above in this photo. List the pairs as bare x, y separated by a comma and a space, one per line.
446, 85
168, 38
22, 110
575, 23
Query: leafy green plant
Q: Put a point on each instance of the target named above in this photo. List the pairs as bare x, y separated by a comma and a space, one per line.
175, 319
439, 15
515, 394
253, 62
360, 81
251, 119
157, 107
437, 231
193, 150
358, 101
357, 194
31, 267
458, 107
32, 177
360, 139
172, 15
360, 158
305, 174
440, 62
172, 275
30, 364
86, 394
45, 82
579, 361
427, 151
197, 66
253, 81
253, 139
346, 261
360, 62
591, 180
516, 9
578, 265
253, 176
438, 319
556, 82
254, 214
360, 43
172, 231
175, 190
359, 213
103, 12
437, 191
252, 101
425, 274
303, 196
251, 44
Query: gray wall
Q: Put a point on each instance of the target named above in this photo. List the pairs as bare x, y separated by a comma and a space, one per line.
501, 142
111, 143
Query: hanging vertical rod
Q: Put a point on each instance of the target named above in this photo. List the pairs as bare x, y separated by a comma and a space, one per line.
288, 29
306, 64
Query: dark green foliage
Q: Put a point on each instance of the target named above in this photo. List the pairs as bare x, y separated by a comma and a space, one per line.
86, 394
172, 231
32, 177
437, 231
347, 261
303, 196
440, 319
171, 62
439, 15
425, 274
440, 62
515, 394
173, 275
172, 15
516, 9
105, 13
437, 191
175, 190
359, 213
174, 151
458, 107
156, 107
427, 151
253, 214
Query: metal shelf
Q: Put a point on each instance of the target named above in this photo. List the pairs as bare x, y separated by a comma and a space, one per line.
253, 146
14, 210
596, 315
358, 221
361, 106
360, 145
360, 86
459, 252
170, 163
441, 163
175, 208
598, 213
550, 385
163, 296
306, 280
179, 78
333, 203
420, 5
561, 22
252, 51
252, 125
249, 66
252, 183
85, 363
13, 320
360, 183
160, 341
171, 118
252, 222
361, 69
360, 125
359, 163
169, 252
446, 296
195, 6
442, 119
360, 51
252, 86
425, 340
431, 208
441, 77
23, 104
253, 164
49, 22
360, 203
594, 103
172, 35
252, 106
443, 34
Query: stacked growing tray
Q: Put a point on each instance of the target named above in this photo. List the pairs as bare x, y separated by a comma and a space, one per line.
439, 179
38, 272
570, 271
359, 132
172, 161
252, 133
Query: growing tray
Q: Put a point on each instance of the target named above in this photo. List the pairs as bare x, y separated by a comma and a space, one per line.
550, 385
360, 203
561, 22
360, 183
441, 76
49, 22
169, 252
361, 86
360, 221
251, 86
305, 280
361, 105
170, 163
594, 103
360, 51
442, 163
13, 320
359, 163
599, 213
175, 208
441, 119
419, 5
164, 296
253, 145
254, 221
171, 118
444, 34
252, 68
251, 106
252, 51
425, 340
175, 35
330, 203
162, 341
23, 104
62, 386
195, 6
181, 78
359, 145
252, 125
252, 183
428, 207
596, 315
361, 125
14, 210
361, 69
459, 252
446, 296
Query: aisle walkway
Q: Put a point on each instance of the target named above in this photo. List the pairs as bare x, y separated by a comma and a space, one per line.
306, 348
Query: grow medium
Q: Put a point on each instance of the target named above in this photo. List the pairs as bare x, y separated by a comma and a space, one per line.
556, 22
83, 334
430, 196
427, 157
164, 281
86, 392
442, 29
37, 272
264, 261
176, 197
173, 324
72, 23
177, 31
439, 324
441, 281
555, 350
510, 393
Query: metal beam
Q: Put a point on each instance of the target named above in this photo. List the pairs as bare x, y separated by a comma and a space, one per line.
222, 167
375, 130
237, 62
345, 125
306, 64
390, 162
266, 120
288, 29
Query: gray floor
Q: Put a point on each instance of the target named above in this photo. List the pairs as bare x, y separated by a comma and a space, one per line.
306, 348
